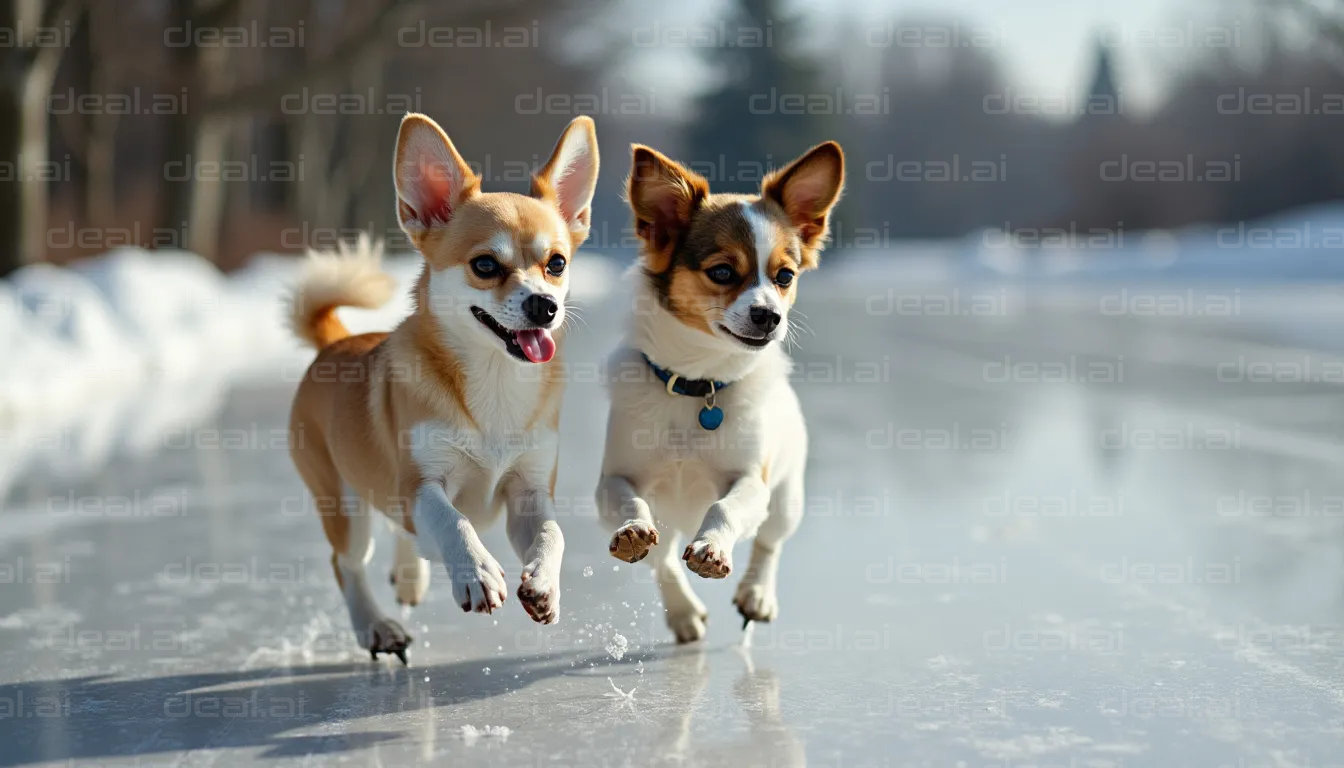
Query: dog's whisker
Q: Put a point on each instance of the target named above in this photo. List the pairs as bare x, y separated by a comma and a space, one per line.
801, 326
577, 316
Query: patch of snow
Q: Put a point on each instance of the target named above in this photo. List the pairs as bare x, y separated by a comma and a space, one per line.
617, 646
121, 351
471, 734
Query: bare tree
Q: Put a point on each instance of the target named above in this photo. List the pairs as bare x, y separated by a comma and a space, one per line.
198, 203
40, 31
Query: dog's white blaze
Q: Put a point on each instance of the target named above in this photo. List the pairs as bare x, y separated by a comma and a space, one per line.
762, 233
763, 293
501, 244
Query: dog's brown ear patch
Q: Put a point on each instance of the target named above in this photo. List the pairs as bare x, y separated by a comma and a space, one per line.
807, 189
664, 196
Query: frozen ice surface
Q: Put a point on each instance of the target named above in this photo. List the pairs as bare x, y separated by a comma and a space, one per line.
1045, 534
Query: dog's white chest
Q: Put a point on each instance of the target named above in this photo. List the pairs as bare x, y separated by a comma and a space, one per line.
471, 464
440, 448
681, 467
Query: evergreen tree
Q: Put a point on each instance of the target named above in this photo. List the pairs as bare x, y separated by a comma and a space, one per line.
1103, 97
758, 61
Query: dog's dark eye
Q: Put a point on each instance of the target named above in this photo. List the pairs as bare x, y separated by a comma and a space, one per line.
556, 266
721, 274
485, 266
784, 277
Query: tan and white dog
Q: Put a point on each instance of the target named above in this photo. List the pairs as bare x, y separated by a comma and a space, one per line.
706, 437
452, 416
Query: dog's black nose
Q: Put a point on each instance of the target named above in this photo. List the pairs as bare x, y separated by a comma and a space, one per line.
765, 318
540, 309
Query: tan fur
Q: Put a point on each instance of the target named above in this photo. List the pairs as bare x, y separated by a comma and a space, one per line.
694, 299
351, 277
363, 396
781, 258
356, 420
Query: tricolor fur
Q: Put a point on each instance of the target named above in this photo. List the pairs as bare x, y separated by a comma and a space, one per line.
452, 417
716, 281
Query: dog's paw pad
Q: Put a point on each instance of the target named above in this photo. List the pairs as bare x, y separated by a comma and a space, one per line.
632, 541
708, 558
540, 594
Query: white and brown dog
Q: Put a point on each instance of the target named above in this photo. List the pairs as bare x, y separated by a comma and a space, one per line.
706, 436
439, 424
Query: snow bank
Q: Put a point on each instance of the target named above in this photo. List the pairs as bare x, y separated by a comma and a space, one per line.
1300, 245
113, 351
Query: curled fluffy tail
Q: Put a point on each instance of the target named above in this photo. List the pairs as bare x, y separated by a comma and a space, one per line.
350, 277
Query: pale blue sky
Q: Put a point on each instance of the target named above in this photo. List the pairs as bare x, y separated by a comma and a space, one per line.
1045, 46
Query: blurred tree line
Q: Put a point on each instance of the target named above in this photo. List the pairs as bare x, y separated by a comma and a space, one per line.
229, 127
234, 126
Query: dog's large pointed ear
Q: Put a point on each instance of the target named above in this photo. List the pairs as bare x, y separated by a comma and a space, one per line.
807, 189
664, 196
431, 178
570, 176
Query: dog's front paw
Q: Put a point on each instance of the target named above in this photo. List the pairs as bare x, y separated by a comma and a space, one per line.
385, 636
632, 541
540, 593
756, 601
479, 586
708, 558
688, 625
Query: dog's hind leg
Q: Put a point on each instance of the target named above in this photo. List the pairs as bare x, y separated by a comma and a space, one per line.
348, 523
410, 572
686, 614
375, 632
756, 597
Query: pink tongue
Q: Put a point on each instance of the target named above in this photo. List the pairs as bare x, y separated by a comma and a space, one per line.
537, 344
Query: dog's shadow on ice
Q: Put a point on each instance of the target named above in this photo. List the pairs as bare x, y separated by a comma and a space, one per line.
105, 718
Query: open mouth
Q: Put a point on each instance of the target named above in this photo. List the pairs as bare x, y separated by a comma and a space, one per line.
749, 341
531, 345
